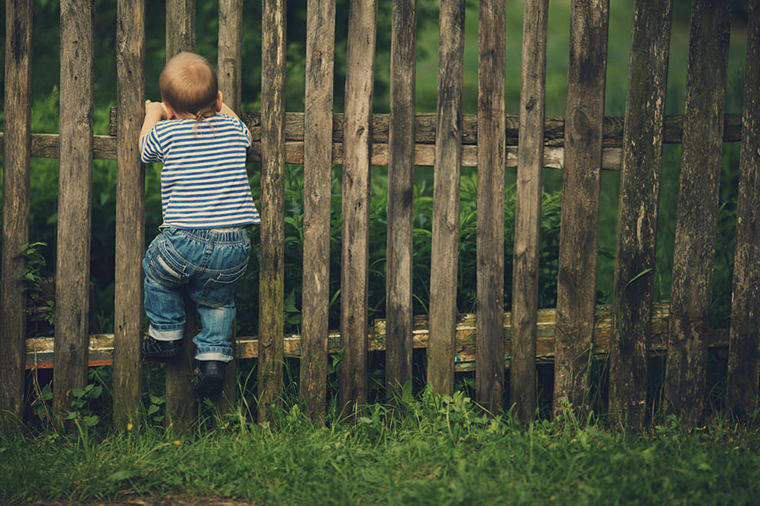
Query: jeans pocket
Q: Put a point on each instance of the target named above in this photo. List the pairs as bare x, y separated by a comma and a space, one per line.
158, 266
219, 288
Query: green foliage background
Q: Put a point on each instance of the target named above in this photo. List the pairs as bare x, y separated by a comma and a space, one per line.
44, 182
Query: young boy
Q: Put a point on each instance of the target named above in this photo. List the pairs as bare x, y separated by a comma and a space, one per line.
202, 248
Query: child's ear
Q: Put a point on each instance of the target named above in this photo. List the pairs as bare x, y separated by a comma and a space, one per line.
219, 101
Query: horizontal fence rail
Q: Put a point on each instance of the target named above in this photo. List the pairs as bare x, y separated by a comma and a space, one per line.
39, 352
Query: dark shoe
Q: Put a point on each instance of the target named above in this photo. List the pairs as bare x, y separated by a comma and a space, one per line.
161, 350
209, 378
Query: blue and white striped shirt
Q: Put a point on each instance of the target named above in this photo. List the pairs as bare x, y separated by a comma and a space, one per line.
204, 183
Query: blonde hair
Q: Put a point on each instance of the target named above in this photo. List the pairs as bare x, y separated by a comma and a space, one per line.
189, 84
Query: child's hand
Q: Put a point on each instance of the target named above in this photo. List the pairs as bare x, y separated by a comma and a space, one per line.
156, 110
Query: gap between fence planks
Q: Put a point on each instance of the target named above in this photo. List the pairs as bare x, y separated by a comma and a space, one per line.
637, 215
698, 193
742, 383
271, 277
581, 185
398, 277
72, 300
16, 199
528, 210
317, 174
489, 374
130, 212
39, 350
180, 402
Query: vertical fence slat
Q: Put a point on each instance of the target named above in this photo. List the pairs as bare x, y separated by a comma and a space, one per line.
180, 26
699, 183
180, 402
398, 272
637, 215
72, 294
17, 152
360, 70
130, 211
448, 159
229, 70
530, 158
492, 138
579, 235
745, 311
271, 287
318, 120
230, 56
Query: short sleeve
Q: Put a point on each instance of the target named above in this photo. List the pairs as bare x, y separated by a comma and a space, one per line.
152, 150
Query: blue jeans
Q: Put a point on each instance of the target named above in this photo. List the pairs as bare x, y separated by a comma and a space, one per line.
205, 264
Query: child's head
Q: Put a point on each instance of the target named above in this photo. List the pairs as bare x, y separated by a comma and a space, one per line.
189, 85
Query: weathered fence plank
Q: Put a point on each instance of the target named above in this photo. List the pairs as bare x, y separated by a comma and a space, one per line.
581, 184
230, 56
743, 367
180, 402
448, 159
229, 71
180, 26
272, 276
699, 183
72, 293
398, 271
130, 212
318, 118
354, 278
637, 209
530, 156
16, 155
492, 157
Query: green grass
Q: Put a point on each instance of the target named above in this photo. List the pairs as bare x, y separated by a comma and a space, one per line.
431, 450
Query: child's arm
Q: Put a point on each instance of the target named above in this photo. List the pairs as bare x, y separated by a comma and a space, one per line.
154, 112
225, 109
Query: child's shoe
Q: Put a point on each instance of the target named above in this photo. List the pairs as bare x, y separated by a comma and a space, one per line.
209, 378
160, 350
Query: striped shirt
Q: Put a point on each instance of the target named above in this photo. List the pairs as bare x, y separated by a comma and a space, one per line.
204, 183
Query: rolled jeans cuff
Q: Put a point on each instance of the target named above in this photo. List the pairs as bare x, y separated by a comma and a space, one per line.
220, 353
166, 334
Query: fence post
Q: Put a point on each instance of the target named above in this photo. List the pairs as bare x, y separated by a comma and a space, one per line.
130, 212
17, 153
72, 292
229, 70
698, 194
357, 146
181, 408
743, 364
637, 209
492, 140
317, 159
530, 162
581, 179
271, 284
398, 271
448, 159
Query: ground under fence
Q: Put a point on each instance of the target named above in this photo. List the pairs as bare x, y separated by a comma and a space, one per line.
582, 144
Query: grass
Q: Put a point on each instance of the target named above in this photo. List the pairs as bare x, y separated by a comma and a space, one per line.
430, 450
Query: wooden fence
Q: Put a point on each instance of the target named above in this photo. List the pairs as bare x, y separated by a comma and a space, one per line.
582, 144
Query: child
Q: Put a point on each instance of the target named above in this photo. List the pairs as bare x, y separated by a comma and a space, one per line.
202, 247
